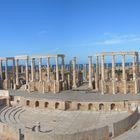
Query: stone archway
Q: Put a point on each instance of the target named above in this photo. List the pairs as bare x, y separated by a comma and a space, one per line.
112, 106
27, 102
46, 104
90, 106
79, 106
57, 105
101, 106
37, 104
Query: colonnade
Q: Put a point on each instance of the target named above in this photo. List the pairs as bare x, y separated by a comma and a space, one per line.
26, 59
100, 69
32, 73
135, 61
47, 57
6, 77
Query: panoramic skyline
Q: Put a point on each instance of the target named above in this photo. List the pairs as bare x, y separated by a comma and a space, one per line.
73, 27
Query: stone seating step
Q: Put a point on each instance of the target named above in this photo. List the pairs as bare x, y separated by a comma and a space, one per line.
8, 114
17, 118
12, 115
3, 114
1, 110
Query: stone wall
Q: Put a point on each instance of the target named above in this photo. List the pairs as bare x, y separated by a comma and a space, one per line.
71, 105
121, 126
95, 134
4, 93
8, 133
119, 87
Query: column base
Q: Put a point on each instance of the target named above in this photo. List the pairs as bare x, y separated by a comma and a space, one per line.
90, 86
74, 86
26, 87
102, 93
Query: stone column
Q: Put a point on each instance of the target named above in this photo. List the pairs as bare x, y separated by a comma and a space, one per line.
99, 69
69, 83
1, 76
90, 71
85, 72
40, 69
57, 69
6, 69
113, 74
21, 68
63, 68
97, 74
17, 76
74, 73
48, 69
134, 59
123, 73
33, 69
13, 71
137, 64
102, 74
27, 72
134, 67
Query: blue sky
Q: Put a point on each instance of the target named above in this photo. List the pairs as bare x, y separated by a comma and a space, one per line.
73, 27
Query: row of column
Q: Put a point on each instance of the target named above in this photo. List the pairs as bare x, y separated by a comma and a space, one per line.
90, 69
6, 69
135, 72
26, 71
16, 69
48, 69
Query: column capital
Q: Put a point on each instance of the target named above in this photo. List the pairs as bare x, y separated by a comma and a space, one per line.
90, 56
32, 59
74, 58
113, 56
102, 56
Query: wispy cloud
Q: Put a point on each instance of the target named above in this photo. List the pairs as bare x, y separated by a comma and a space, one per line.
112, 39
108, 42
118, 39
43, 32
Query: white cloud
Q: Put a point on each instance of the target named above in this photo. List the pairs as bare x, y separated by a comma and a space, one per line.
43, 32
118, 39
109, 41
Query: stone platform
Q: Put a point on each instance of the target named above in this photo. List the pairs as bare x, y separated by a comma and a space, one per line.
58, 122
85, 96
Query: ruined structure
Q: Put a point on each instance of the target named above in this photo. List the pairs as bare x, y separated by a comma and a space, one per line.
33, 79
44, 78
82, 111
50, 80
116, 80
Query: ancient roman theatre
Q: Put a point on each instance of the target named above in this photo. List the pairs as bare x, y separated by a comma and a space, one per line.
43, 98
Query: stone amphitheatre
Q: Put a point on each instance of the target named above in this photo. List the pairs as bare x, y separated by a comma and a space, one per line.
42, 98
